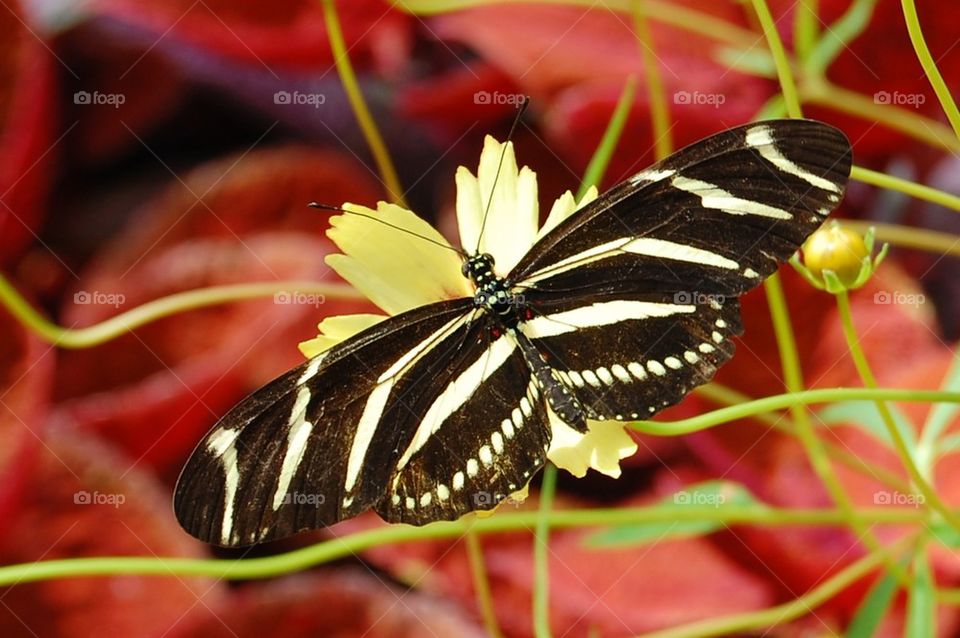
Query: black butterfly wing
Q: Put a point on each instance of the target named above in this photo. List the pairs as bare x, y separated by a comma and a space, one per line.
633, 298
317, 444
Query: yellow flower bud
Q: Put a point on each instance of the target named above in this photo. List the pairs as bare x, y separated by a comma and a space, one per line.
838, 249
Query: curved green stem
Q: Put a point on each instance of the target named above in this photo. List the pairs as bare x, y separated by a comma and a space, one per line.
767, 618
541, 554
930, 66
806, 27
784, 71
788, 400
155, 309
906, 237
334, 549
913, 189
659, 107
611, 136
870, 381
729, 397
481, 584
793, 379
388, 173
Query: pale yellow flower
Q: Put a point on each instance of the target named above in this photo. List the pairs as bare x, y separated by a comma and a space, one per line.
398, 271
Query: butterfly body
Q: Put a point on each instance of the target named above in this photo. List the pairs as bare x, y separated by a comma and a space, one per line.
614, 314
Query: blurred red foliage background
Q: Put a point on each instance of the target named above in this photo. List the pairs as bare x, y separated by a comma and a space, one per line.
144, 151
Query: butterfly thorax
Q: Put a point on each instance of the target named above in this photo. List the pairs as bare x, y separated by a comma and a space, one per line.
493, 292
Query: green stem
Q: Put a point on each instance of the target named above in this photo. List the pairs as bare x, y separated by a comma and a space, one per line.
481, 585
779, 421
784, 72
352, 88
793, 379
870, 381
913, 189
334, 549
753, 621
601, 157
541, 554
906, 237
806, 28
821, 92
789, 400
155, 309
930, 66
659, 108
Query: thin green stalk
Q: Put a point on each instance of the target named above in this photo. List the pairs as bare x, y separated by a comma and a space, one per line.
870, 381
784, 72
844, 30
611, 136
659, 107
368, 125
750, 622
795, 399
930, 66
806, 27
793, 379
906, 237
155, 309
541, 554
821, 92
778, 420
334, 549
481, 585
913, 189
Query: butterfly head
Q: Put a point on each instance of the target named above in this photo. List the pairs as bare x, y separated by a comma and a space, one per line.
479, 269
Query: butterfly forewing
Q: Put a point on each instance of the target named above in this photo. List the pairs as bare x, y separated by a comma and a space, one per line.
280, 461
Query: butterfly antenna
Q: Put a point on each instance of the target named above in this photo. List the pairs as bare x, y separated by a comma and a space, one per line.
513, 127
386, 223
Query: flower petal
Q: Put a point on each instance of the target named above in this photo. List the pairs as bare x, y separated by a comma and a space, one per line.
564, 207
394, 269
333, 330
602, 447
513, 215
469, 208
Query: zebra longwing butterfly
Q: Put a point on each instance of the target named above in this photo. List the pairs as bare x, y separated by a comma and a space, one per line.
416, 415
